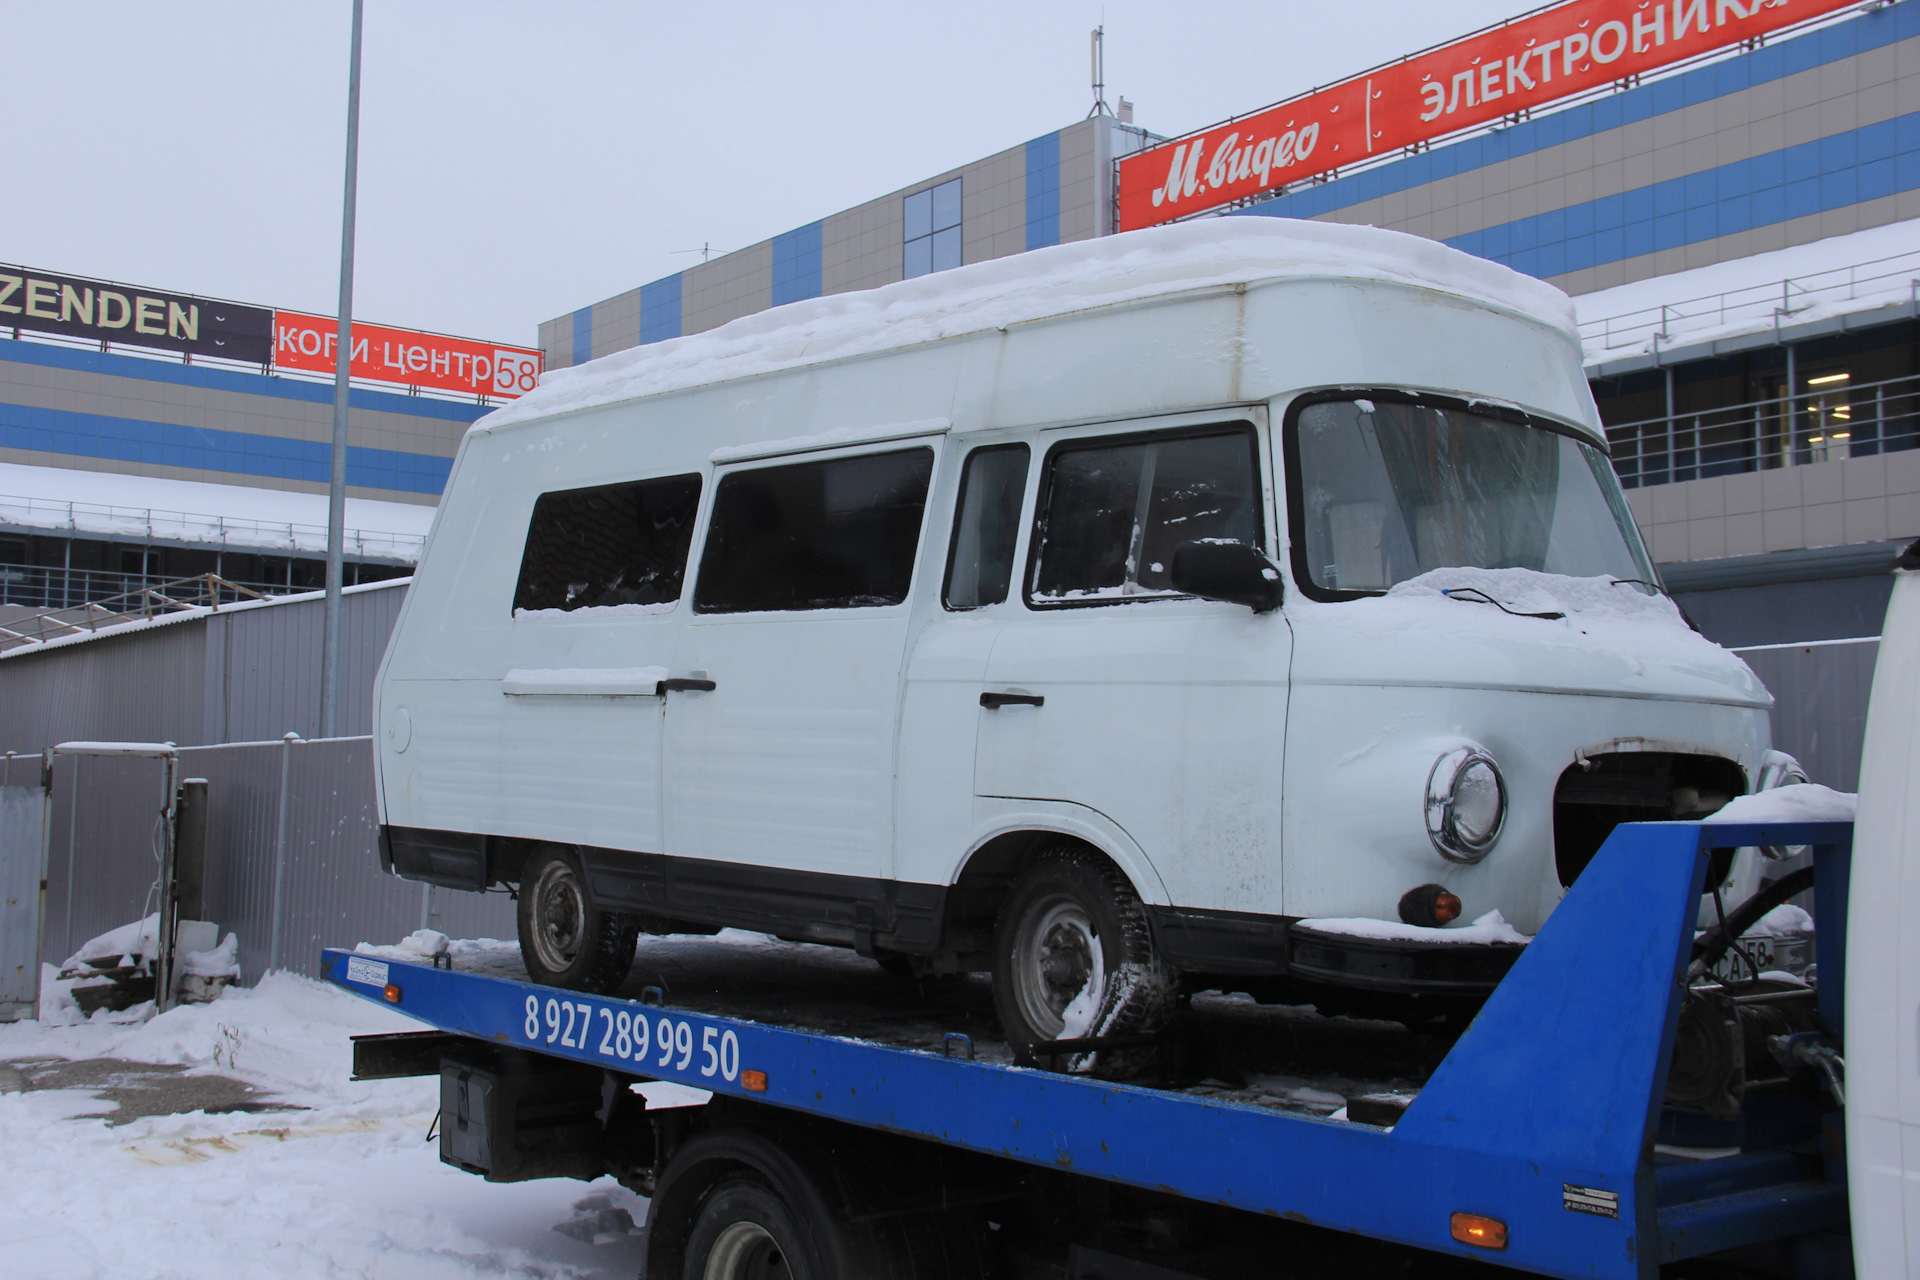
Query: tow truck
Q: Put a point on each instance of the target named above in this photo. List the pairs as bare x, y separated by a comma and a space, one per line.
1627, 1103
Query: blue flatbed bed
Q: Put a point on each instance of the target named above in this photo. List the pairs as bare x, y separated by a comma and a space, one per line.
1542, 1120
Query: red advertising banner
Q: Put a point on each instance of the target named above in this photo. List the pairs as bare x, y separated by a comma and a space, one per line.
417, 359
1529, 62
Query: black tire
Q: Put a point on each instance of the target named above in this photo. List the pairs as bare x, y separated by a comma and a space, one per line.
745, 1231
1069, 911
566, 940
746, 1204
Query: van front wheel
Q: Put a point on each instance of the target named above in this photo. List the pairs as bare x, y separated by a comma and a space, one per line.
565, 940
1074, 958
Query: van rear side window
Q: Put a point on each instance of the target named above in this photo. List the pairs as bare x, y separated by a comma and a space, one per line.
1113, 511
837, 534
608, 545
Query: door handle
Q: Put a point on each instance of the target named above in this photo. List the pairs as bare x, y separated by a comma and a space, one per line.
686, 684
994, 701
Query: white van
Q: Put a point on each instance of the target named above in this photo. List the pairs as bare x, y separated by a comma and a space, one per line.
1235, 603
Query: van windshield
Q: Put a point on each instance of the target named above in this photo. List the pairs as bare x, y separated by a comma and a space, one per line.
1387, 491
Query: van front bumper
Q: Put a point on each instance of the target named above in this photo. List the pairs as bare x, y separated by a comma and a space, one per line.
1407, 966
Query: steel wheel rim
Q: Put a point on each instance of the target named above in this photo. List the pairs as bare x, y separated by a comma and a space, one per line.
559, 916
746, 1251
1055, 954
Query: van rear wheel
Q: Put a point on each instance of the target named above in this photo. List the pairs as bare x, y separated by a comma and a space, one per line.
565, 940
1074, 958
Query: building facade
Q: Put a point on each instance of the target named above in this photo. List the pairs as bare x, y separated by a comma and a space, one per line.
1055, 189
123, 466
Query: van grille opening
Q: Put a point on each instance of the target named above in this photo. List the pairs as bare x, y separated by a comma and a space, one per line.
1599, 793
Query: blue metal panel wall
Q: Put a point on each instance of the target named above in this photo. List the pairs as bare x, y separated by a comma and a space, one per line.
1814, 177
796, 264
107, 380
1832, 172
90, 435
583, 335
1043, 191
660, 307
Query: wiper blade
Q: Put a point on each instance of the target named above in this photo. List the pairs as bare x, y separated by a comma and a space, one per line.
1474, 595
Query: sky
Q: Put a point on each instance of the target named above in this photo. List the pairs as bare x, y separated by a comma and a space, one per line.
520, 160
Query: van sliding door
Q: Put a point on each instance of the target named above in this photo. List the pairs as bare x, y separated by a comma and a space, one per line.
594, 616
780, 776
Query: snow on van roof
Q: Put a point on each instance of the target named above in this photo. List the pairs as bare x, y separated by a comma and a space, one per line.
1209, 253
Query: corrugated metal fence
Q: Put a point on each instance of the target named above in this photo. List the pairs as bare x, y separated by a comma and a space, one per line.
292, 853
1820, 695
248, 672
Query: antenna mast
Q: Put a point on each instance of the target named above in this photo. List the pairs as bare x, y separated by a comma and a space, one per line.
1100, 107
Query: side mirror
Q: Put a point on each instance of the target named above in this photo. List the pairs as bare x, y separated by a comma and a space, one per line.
1230, 571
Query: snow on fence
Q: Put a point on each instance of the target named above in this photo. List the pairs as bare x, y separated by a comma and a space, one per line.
292, 864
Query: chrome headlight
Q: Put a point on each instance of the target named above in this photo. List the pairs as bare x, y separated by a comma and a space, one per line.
1466, 804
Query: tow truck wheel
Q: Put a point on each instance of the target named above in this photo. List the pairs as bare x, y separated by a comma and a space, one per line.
746, 1232
753, 1204
1074, 958
565, 940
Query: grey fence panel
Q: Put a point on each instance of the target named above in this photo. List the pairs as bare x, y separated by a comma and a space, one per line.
320, 886
270, 664
144, 686
1820, 703
103, 860
239, 675
243, 813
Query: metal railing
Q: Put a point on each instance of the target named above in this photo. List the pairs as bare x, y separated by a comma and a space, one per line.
1890, 280
205, 591
148, 524
1817, 425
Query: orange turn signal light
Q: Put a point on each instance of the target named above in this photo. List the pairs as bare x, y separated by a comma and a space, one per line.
392, 993
753, 1081
1446, 907
1479, 1230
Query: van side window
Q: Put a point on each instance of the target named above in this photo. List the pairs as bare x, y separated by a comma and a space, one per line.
986, 523
611, 544
1113, 510
838, 534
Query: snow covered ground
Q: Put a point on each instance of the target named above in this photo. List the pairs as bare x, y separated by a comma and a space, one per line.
345, 1186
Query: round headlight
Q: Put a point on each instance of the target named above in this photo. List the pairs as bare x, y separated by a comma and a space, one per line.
1466, 804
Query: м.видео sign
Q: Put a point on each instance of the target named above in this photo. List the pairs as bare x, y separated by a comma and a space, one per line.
1531, 61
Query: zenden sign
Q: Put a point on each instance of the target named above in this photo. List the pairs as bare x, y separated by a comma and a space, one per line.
382, 354
104, 311
1528, 62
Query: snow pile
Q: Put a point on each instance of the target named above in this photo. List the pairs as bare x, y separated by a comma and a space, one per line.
1531, 592
345, 1186
1211, 253
222, 961
1491, 927
1784, 921
1796, 802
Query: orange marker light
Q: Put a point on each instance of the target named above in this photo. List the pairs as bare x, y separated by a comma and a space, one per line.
753, 1081
1446, 908
1477, 1229
392, 993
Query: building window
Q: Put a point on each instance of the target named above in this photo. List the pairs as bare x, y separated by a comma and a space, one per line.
932, 231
